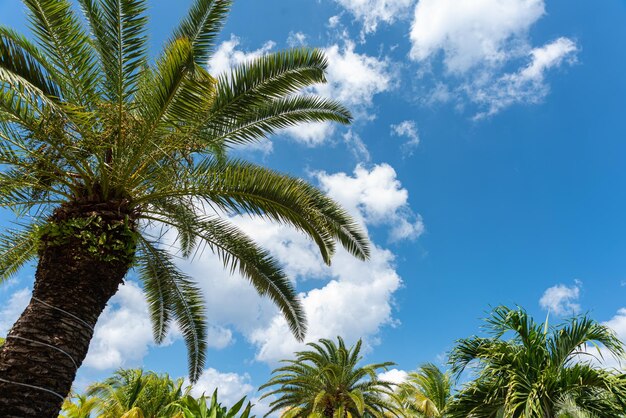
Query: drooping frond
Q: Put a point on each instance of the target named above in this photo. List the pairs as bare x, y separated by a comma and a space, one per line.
172, 295
241, 187
201, 27
17, 247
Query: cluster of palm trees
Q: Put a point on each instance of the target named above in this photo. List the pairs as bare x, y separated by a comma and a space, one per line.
521, 369
138, 394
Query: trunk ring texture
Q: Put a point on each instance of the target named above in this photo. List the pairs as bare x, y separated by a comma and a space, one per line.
83, 322
47, 345
33, 386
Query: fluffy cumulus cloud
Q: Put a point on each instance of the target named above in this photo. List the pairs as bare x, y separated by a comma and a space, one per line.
373, 12
470, 33
232, 386
353, 79
561, 299
478, 42
394, 376
377, 197
407, 129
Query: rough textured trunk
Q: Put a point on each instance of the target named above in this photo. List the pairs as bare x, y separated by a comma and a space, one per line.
73, 284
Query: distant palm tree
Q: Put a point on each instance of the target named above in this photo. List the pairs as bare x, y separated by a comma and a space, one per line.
327, 381
532, 372
426, 393
133, 392
99, 145
78, 406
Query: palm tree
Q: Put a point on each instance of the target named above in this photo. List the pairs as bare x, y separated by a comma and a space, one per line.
326, 381
99, 145
134, 392
426, 393
530, 374
78, 406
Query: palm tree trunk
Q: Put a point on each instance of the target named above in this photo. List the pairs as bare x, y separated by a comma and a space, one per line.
49, 342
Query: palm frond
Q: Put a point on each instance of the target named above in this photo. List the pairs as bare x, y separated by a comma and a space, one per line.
67, 46
171, 294
201, 27
17, 247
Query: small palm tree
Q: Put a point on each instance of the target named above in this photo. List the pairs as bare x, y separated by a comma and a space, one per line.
529, 374
426, 393
78, 406
133, 392
99, 145
202, 407
327, 381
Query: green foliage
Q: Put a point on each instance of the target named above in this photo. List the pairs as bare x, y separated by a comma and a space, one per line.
326, 381
538, 368
106, 241
190, 407
135, 393
426, 393
88, 120
78, 406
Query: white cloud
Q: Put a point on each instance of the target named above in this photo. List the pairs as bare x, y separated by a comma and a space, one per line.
407, 129
561, 299
372, 12
469, 33
231, 386
377, 197
354, 79
228, 56
356, 304
394, 376
528, 84
123, 333
296, 39
12, 310
479, 42
357, 146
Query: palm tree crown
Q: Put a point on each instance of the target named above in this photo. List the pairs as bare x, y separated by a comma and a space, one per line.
326, 381
426, 392
133, 392
536, 370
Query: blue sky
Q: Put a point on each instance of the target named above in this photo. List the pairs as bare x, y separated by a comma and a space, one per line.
486, 161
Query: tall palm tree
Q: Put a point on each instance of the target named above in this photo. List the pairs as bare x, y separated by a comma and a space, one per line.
134, 392
426, 393
532, 372
326, 381
99, 145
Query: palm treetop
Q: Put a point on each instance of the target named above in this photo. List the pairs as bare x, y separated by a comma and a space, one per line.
326, 381
99, 144
525, 369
